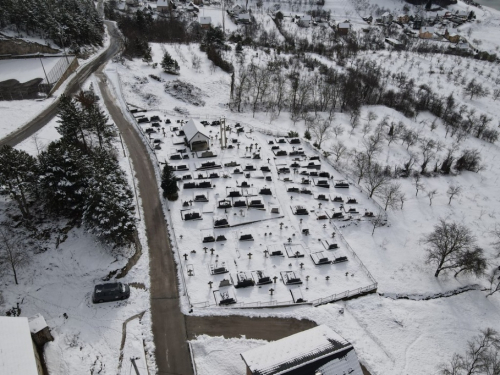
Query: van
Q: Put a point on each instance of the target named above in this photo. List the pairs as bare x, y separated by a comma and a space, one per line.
110, 292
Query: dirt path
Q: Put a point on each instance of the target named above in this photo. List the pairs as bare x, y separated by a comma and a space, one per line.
172, 352
252, 328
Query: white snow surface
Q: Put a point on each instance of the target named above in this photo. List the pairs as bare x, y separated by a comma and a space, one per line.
17, 354
25, 70
37, 323
294, 347
390, 336
61, 280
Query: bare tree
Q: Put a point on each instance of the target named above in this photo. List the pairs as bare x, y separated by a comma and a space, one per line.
375, 178
360, 165
402, 199
322, 131
366, 129
378, 221
372, 148
452, 191
481, 357
427, 146
338, 149
338, 130
496, 94
11, 252
446, 245
417, 183
473, 262
494, 279
431, 194
371, 117
390, 195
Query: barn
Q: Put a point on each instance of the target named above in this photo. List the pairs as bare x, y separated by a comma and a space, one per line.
196, 136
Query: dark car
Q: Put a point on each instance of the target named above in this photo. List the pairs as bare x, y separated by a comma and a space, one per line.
110, 292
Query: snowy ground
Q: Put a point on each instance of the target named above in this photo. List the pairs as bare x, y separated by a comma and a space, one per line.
15, 114
60, 281
25, 70
390, 336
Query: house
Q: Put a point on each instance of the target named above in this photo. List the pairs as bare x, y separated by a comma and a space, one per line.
192, 8
452, 35
417, 24
386, 17
40, 331
426, 32
18, 353
205, 22
318, 350
403, 18
237, 9
344, 28
304, 20
243, 18
395, 43
164, 6
196, 136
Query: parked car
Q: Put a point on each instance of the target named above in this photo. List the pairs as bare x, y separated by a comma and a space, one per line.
110, 292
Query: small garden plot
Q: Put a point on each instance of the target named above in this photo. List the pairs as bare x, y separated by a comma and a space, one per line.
297, 295
321, 258
191, 215
251, 235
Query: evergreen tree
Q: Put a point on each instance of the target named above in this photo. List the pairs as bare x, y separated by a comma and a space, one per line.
147, 58
19, 174
169, 65
71, 122
108, 209
169, 183
63, 179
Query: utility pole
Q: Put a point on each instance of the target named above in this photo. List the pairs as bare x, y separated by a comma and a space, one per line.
135, 366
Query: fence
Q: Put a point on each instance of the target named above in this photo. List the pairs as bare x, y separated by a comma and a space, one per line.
259, 304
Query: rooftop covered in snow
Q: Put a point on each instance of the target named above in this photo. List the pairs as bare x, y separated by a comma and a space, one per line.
16, 348
314, 348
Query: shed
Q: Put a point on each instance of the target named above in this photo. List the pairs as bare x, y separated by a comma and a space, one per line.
164, 6
237, 9
18, 354
243, 18
305, 20
317, 350
394, 42
205, 22
426, 32
196, 136
40, 331
452, 35
344, 28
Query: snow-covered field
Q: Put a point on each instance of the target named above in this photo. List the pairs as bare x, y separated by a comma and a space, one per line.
390, 336
16, 113
25, 70
59, 282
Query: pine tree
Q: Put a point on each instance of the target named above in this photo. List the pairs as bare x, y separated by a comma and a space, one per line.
108, 209
19, 174
147, 58
169, 65
169, 183
64, 171
71, 122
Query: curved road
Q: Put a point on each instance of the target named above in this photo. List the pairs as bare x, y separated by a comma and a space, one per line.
74, 85
171, 329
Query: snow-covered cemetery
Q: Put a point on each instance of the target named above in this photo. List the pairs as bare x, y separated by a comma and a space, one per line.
249, 187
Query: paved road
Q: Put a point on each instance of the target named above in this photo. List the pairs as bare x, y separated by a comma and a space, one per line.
74, 85
169, 330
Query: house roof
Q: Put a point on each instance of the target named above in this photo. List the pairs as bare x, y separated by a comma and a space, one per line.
16, 347
344, 25
295, 351
427, 29
191, 128
348, 364
305, 17
244, 16
162, 3
205, 20
37, 323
